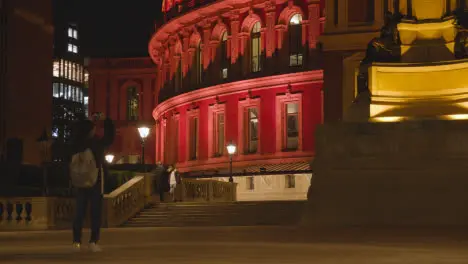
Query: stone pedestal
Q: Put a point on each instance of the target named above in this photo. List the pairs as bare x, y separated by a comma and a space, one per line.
390, 175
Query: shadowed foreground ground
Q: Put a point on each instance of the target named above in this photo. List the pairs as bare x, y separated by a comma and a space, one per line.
241, 245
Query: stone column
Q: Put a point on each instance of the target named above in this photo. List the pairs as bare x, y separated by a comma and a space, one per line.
280, 29
185, 54
206, 46
314, 24
270, 11
234, 37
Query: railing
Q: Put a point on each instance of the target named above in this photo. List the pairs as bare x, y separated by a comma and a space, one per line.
207, 191
42, 213
35, 213
127, 200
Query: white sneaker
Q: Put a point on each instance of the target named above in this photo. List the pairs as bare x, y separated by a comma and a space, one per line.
76, 247
94, 247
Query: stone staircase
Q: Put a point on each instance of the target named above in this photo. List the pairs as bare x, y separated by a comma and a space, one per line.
219, 214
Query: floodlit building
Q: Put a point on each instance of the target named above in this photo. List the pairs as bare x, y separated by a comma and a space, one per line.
245, 73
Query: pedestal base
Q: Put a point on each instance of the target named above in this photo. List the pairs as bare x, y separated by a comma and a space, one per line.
390, 175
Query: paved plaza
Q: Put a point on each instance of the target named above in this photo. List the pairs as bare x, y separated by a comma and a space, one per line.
220, 245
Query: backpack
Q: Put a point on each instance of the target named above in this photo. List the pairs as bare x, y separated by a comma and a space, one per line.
83, 169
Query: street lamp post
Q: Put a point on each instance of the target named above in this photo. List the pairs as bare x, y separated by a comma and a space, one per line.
144, 132
231, 148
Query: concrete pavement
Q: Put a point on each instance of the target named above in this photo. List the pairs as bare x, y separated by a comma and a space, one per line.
223, 245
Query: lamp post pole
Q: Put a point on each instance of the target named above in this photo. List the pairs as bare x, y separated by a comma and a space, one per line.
230, 169
231, 148
143, 151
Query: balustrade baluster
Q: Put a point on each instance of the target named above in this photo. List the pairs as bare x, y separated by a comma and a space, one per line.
19, 211
2, 211
9, 211
28, 208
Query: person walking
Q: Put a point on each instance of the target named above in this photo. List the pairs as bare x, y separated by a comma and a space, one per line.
173, 181
88, 174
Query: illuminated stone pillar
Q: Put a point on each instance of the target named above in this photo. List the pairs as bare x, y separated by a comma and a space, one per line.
280, 29
262, 39
185, 47
206, 46
234, 37
270, 10
314, 24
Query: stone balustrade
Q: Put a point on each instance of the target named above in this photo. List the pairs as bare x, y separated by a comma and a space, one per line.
42, 213
125, 201
35, 213
193, 190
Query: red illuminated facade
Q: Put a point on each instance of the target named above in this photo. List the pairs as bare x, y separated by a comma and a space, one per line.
125, 90
242, 72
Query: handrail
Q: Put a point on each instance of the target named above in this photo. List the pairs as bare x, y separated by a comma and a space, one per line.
127, 200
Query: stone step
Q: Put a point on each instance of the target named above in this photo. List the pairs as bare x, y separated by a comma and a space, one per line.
219, 214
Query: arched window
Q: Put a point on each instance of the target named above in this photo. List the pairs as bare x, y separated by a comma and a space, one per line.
199, 63
295, 40
133, 103
224, 56
256, 48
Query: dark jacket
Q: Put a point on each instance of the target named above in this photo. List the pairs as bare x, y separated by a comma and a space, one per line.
97, 145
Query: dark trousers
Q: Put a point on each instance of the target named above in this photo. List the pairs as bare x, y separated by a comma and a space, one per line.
85, 196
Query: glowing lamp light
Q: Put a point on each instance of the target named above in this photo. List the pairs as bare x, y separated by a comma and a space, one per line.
144, 132
231, 148
457, 117
388, 119
109, 158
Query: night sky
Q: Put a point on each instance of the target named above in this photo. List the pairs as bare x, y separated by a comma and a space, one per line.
116, 28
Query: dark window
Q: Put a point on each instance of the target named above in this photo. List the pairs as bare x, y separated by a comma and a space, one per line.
178, 77
292, 126
252, 130
295, 40
224, 57
133, 103
256, 48
360, 11
250, 183
199, 63
219, 134
290, 181
193, 137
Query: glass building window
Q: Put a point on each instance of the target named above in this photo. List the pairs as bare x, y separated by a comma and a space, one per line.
133, 103
56, 90
193, 137
256, 49
72, 33
56, 69
219, 134
252, 130
295, 40
224, 56
292, 126
70, 47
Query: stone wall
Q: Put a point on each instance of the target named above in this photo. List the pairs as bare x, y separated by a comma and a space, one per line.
390, 175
